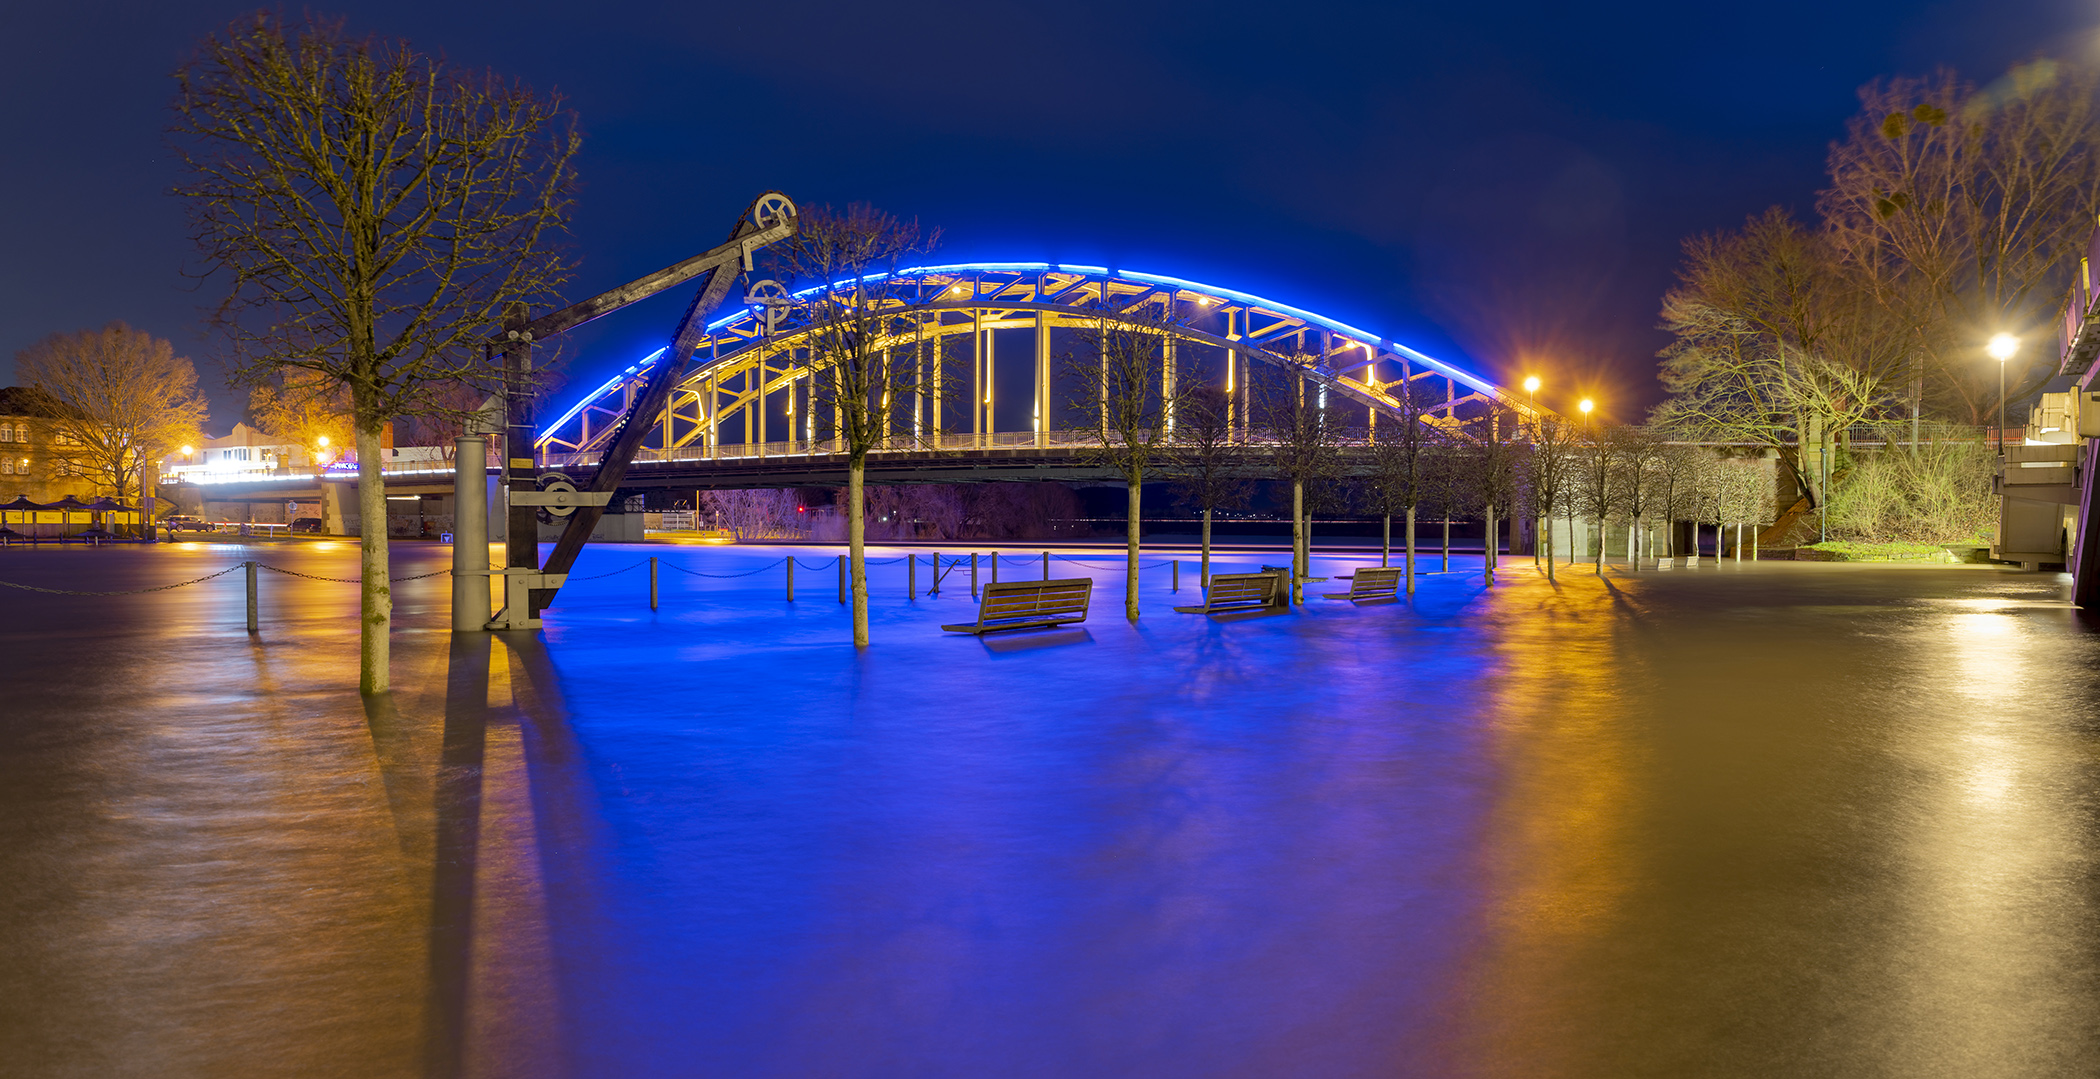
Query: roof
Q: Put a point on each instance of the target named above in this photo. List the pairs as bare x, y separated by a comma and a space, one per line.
26, 401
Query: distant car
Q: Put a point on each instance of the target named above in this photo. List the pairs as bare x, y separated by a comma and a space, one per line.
307, 524
183, 522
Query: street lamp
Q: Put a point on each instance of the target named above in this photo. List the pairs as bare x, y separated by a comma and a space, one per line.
2001, 348
1585, 406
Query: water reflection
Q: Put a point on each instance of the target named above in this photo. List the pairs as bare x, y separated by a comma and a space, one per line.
1730, 821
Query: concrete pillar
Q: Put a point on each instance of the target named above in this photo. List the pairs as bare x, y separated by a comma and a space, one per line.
470, 535
333, 520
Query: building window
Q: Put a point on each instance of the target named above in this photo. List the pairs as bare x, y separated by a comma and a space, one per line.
7, 467
7, 434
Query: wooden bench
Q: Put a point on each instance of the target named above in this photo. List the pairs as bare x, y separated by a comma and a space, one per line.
1236, 593
1030, 605
1381, 583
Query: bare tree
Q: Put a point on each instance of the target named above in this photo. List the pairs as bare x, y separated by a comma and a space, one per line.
1494, 465
1549, 478
120, 399
1304, 449
1677, 490
1397, 481
1636, 457
304, 408
1780, 341
1596, 491
376, 212
1445, 487
1969, 206
863, 355
1209, 463
1128, 414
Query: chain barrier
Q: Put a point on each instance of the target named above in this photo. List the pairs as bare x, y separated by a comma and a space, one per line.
723, 576
615, 573
342, 580
120, 591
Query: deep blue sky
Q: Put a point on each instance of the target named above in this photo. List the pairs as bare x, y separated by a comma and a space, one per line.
1502, 185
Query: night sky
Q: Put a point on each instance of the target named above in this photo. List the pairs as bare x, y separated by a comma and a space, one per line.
1501, 185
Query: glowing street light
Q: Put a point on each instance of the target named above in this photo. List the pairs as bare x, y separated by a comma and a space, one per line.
187, 450
324, 442
2001, 348
1531, 384
1585, 406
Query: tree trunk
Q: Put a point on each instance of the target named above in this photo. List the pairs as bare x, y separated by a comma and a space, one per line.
1385, 550
1600, 545
376, 594
857, 547
1487, 561
1297, 541
1204, 574
1130, 561
1410, 550
1633, 545
1446, 567
1546, 546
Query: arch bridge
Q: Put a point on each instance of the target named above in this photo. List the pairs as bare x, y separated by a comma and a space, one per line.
744, 414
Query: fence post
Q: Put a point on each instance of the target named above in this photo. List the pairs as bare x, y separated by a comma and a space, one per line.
1046, 565
995, 567
911, 576
791, 578
973, 574
843, 586
253, 625
936, 589
652, 582
1177, 575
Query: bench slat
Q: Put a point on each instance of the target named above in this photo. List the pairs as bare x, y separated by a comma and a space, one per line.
1029, 604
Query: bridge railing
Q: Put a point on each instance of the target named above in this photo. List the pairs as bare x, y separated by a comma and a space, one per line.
831, 447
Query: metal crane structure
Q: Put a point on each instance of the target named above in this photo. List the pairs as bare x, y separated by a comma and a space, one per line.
745, 415
528, 584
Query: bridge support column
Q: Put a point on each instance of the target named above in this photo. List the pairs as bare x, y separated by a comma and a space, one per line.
1043, 405
470, 535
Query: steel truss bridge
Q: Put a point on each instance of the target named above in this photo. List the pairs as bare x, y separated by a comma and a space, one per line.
744, 413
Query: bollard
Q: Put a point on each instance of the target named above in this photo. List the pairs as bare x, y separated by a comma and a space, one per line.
973, 574
1177, 575
652, 582
911, 577
843, 586
1046, 565
936, 589
995, 567
791, 578
253, 625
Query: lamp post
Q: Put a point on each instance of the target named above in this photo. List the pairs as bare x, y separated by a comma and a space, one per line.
1586, 405
1531, 397
2001, 348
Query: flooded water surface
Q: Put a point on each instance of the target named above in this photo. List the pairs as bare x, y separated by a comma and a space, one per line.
1746, 820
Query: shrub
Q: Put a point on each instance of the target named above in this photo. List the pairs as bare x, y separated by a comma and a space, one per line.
1940, 494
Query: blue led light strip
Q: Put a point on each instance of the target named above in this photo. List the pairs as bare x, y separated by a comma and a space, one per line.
1363, 337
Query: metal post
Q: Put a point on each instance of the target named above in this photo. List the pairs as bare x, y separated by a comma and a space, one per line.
936, 589
791, 578
843, 586
973, 574
1177, 575
911, 576
995, 567
470, 534
1046, 565
652, 582
253, 624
